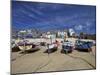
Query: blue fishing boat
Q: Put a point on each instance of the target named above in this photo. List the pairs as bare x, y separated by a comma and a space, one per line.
83, 45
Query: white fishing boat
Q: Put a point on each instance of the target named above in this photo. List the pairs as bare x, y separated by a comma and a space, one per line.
14, 46
67, 46
53, 46
27, 46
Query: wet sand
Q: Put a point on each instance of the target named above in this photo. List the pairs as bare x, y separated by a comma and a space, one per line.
42, 62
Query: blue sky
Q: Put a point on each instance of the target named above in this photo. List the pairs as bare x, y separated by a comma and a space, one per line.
51, 16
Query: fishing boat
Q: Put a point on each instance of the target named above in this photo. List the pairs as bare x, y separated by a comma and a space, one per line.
67, 47
14, 46
27, 46
82, 45
52, 47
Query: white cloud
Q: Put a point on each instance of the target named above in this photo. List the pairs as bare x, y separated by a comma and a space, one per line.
78, 27
88, 24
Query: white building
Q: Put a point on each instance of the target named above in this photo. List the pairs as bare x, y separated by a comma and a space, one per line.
62, 33
71, 32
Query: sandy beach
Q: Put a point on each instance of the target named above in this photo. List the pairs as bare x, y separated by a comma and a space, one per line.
39, 61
